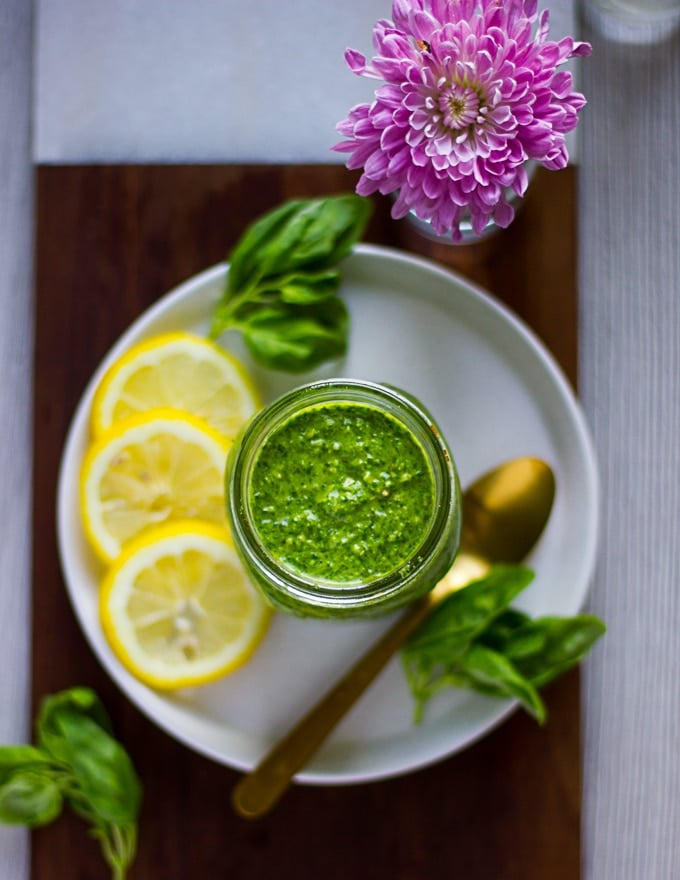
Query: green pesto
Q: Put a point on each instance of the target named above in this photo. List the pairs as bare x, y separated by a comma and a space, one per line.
342, 492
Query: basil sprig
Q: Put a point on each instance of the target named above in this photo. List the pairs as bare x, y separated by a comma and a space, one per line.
77, 761
474, 639
281, 289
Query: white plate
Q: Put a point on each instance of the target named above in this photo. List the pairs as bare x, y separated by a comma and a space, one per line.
496, 392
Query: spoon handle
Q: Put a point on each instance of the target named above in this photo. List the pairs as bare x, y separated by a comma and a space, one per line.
260, 789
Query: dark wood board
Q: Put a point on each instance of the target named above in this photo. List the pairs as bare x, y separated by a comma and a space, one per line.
110, 241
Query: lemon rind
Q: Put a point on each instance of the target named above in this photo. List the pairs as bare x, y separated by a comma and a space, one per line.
173, 533
106, 551
100, 420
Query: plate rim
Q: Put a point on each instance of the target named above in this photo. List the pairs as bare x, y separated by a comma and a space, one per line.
487, 301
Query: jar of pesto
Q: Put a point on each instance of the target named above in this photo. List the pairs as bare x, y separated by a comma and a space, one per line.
344, 500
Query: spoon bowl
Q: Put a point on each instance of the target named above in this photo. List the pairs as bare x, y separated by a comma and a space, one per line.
504, 514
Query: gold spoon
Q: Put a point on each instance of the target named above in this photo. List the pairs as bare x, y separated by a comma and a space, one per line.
504, 513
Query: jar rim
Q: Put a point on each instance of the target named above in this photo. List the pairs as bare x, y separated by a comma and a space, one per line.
415, 418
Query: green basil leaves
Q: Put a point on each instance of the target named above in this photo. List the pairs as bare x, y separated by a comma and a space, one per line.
77, 761
475, 640
281, 290
31, 798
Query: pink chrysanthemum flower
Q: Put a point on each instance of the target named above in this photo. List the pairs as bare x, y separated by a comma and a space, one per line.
471, 94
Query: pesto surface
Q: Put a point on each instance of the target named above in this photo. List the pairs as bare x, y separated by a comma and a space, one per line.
342, 492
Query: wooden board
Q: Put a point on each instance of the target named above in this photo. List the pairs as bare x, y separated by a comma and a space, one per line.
110, 241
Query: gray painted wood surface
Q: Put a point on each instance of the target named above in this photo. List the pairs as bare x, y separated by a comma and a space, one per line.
16, 199
630, 385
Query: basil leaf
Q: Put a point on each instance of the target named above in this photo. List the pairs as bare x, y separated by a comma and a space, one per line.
13, 758
475, 640
83, 701
498, 632
79, 762
101, 768
288, 258
448, 631
430, 656
245, 258
545, 648
29, 798
312, 233
491, 673
307, 288
336, 224
298, 338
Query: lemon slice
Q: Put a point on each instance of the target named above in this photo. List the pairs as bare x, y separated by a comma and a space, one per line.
178, 609
181, 371
147, 470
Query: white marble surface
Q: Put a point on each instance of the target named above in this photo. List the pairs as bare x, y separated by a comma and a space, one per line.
92, 104
209, 80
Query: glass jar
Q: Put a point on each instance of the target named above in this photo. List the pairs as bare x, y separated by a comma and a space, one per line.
344, 500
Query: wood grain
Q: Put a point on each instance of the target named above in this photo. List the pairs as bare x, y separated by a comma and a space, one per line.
110, 241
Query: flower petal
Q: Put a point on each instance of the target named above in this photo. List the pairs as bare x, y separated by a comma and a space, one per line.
470, 90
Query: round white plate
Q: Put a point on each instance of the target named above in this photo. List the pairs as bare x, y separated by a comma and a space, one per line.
496, 393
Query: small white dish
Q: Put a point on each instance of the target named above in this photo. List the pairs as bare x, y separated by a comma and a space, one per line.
496, 392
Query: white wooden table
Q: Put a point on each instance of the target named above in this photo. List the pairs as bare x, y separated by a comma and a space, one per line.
629, 222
